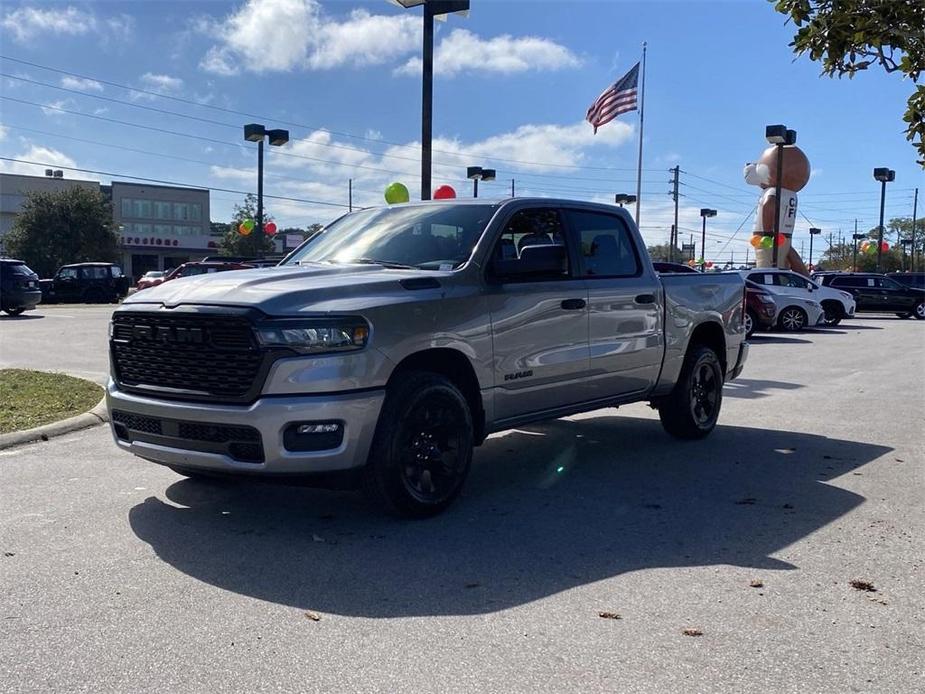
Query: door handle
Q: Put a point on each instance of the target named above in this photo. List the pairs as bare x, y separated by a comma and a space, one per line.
573, 304
645, 299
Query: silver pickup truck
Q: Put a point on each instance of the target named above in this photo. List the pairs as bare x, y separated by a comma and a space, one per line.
380, 352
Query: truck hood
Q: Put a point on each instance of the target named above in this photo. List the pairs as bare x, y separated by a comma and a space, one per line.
291, 290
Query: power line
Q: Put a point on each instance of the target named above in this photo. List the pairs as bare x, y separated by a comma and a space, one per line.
274, 119
167, 183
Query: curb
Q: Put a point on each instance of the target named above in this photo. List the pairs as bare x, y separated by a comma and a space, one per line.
97, 415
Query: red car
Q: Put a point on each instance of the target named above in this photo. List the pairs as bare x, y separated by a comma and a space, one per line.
203, 267
150, 279
760, 309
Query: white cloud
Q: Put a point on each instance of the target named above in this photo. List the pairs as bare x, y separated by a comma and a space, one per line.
45, 157
27, 23
284, 35
161, 83
463, 51
3, 131
53, 107
81, 84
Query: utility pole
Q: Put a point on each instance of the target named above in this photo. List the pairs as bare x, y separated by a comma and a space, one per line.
349, 195
915, 209
854, 263
512, 188
674, 229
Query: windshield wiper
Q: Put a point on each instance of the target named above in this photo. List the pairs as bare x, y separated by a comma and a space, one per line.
383, 263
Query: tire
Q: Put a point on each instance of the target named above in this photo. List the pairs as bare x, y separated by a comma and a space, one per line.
751, 323
919, 310
13, 311
833, 313
792, 319
692, 409
422, 448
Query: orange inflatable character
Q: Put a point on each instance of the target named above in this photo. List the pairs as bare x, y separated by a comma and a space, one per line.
794, 177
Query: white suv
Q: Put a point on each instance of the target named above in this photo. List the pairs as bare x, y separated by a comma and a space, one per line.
836, 304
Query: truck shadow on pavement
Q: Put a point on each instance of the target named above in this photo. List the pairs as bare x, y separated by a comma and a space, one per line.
547, 508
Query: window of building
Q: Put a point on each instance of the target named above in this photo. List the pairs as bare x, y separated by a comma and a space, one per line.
126, 207
141, 209
162, 210
163, 229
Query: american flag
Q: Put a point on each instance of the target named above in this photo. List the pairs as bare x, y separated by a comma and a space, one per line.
617, 98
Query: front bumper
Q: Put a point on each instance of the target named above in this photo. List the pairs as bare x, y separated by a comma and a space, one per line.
269, 416
740, 362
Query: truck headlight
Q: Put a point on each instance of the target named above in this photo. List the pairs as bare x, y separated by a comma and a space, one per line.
765, 299
315, 336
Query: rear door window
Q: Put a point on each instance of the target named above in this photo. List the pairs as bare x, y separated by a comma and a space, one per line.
605, 246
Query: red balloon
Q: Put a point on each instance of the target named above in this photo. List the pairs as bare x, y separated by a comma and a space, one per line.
884, 246
781, 240
444, 193
269, 228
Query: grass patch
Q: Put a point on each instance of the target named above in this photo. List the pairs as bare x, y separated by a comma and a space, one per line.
33, 398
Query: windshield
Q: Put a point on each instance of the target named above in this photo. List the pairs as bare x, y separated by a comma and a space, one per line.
428, 237
21, 269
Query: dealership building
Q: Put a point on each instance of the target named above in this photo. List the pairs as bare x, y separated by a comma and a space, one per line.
159, 227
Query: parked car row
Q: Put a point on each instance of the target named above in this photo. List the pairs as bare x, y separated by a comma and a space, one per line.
788, 301
201, 267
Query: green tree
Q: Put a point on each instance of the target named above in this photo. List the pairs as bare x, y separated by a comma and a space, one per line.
57, 228
659, 253
848, 36
254, 245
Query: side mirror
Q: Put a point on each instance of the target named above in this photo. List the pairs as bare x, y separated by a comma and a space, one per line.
534, 261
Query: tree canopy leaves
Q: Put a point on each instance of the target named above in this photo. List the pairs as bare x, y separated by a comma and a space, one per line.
61, 227
847, 36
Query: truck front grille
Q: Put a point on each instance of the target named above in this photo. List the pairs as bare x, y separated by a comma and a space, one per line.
194, 356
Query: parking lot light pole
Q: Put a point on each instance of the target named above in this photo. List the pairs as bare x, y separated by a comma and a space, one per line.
884, 175
256, 132
621, 198
704, 212
476, 174
812, 232
432, 9
779, 136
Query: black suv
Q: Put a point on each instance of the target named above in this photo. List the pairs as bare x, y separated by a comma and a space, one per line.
877, 293
92, 283
19, 287
910, 279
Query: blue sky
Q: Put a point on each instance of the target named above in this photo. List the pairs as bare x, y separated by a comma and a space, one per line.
513, 81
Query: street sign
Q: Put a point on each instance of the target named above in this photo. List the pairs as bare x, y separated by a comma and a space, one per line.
293, 240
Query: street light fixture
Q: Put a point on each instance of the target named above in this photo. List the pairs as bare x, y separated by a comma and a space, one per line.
432, 9
884, 175
856, 238
621, 198
704, 212
812, 232
779, 136
256, 132
476, 174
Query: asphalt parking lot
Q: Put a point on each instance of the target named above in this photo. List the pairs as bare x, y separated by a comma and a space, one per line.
118, 575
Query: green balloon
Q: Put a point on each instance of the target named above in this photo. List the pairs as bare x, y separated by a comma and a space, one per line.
249, 224
396, 193
767, 242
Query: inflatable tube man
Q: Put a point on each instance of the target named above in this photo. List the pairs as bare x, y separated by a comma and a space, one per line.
794, 176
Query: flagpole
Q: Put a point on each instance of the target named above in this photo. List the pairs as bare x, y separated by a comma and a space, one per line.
642, 109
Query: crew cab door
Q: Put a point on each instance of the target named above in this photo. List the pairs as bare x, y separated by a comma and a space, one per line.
65, 284
539, 323
894, 296
625, 305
